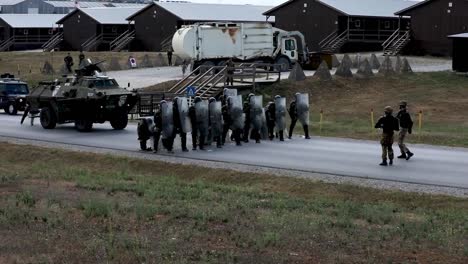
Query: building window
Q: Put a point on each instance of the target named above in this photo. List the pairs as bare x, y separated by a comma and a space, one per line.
450, 4
25, 32
51, 31
387, 24
305, 4
357, 23
114, 29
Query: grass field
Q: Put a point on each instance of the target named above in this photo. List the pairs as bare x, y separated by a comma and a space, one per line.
69, 207
28, 65
442, 97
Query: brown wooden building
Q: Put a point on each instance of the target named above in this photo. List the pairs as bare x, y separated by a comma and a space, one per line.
460, 52
27, 31
432, 21
97, 29
157, 22
343, 25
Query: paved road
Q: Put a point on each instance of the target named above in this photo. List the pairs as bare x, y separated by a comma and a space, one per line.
431, 165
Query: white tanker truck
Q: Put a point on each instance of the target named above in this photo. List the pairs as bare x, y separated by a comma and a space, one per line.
213, 44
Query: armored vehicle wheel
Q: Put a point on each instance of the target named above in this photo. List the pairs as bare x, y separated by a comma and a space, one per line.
119, 121
84, 125
11, 109
48, 118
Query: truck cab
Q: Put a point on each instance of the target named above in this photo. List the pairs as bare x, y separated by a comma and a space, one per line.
12, 94
289, 49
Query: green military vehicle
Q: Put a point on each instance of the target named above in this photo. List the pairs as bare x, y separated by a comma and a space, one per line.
84, 98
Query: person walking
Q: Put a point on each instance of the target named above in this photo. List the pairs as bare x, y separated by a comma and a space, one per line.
406, 127
388, 123
81, 58
169, 57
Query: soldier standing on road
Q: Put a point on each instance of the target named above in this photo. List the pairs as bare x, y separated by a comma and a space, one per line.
178, 127
246, 108
293, 113
227, 119
169, 57
198, 137
68, 62
388, 123
157, 130
216, 121
406, 126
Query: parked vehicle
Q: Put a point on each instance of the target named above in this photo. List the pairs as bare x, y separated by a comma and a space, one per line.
12, 94
85, 98
213, 44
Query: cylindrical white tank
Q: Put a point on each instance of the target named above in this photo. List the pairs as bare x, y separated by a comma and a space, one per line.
184, 42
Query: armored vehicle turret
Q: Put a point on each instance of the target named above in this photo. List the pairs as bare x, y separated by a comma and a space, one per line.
84, 98
12, 94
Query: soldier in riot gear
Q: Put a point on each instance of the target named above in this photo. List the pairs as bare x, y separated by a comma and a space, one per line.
388, 123
167, 124
256, 117
144, 130
178, 126
270, 113
198, 133
406, 127
299, 110
280, 116
226, 118
237, 117
246, 131
216, 121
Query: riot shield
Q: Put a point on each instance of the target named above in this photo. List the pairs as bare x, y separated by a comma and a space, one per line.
230, 92
280, 113
201, 112
264, 128
216, 119
256, 111
236, 112
167, 119
184, 114
302, 106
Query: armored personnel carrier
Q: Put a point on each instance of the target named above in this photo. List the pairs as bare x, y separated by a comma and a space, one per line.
85, 98
12, 94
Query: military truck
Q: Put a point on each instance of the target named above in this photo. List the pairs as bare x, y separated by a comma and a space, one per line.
84, 98
12, 94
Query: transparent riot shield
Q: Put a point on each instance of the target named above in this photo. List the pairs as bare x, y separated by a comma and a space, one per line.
280, 113
230, 92
236, 112
167, 119
264, 127
182, 102
302, 106
256, 110
216, 119
201, 110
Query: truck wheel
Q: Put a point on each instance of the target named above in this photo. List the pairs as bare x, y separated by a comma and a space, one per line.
11, 109
84, 125
120, 121
48, 118
284, 64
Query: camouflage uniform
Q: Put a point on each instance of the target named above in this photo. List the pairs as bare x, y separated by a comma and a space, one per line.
406, 126
388, 123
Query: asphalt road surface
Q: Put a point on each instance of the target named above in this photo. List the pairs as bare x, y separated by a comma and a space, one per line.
431, 165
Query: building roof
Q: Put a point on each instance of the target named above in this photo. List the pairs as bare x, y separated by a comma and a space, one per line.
212, 12
462, 35
371, 8
106, 15
31, 20
415, 5
84, 4
10, 2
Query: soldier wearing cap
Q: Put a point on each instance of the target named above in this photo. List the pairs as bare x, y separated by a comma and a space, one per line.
389, 124
406, 126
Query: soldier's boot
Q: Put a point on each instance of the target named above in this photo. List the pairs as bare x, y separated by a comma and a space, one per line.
306, 132
402, 156
384, 163
391, 162
281, 135
409, 155
143, 145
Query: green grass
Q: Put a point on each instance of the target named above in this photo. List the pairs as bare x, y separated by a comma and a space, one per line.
93, 208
